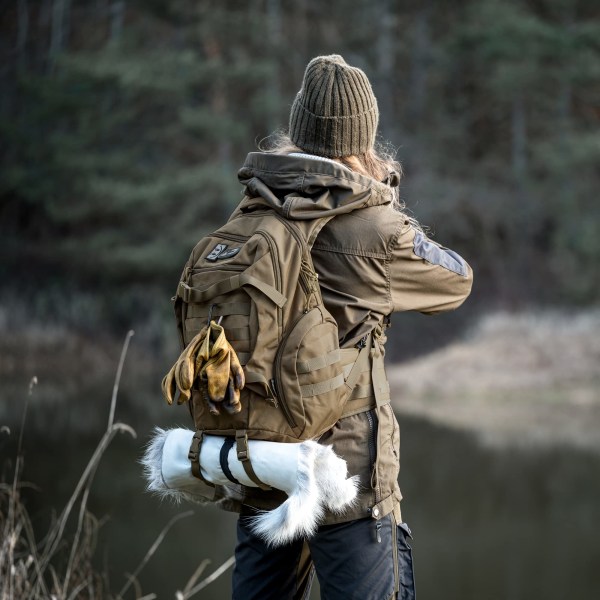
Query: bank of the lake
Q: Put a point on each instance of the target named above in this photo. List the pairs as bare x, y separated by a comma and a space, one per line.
514, 380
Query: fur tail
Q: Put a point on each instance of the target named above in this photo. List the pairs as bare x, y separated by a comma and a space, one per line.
300, 514
337, 491
322, 483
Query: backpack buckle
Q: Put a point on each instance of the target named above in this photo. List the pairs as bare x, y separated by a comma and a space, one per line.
195, 446
362, 342
241, 442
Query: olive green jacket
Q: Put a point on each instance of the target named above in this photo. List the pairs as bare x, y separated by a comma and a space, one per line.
371, 261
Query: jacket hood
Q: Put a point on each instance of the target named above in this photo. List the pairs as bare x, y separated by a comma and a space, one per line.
302, 187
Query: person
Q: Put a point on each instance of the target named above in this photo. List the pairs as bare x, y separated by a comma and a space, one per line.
371, 262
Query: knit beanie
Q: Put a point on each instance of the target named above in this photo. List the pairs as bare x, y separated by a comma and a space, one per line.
335, 112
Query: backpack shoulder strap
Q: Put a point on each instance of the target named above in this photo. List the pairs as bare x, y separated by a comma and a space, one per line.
310, 228
317, 225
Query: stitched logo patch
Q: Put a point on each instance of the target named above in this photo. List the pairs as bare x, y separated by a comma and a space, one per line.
221, 251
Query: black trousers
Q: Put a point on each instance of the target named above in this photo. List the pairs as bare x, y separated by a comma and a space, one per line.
353, 560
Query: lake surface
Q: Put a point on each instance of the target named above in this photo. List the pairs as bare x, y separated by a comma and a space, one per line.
488, 524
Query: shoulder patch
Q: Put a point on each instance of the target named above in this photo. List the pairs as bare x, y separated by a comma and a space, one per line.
436, 255
220, 252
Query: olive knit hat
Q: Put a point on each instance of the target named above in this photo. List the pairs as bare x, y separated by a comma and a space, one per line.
335, 112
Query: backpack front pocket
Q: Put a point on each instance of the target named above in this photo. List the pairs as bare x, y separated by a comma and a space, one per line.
308, 375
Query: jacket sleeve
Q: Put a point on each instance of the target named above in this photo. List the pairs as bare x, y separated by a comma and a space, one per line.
425, 276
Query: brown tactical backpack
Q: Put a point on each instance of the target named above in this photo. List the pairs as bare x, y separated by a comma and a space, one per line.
255, 274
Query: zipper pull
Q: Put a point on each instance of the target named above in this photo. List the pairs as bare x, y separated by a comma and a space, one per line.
378, 526
273, 399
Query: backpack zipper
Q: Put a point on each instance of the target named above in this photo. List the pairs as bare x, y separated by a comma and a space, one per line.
277, 271
230, 236
301, 241
218, 267
280, 401
274, 253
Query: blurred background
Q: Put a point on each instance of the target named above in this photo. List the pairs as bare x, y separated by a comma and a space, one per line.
122, 127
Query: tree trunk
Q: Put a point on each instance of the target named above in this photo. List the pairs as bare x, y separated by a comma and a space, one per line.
275, 29
60, 27
22, 32
417, 91
117, 14
519, 136
385, 69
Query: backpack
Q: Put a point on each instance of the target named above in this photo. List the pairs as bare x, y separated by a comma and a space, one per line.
256, 276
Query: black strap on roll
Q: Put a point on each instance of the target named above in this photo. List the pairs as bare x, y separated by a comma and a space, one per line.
223, 455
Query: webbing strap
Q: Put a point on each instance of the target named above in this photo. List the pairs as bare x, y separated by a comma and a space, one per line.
238, 334
243, 357
361, 364
224, 310
360, 405
377, 392
378, 377
362, 391
317, 229
190, 294
194, 456
318, 362
243, 454
322, 387
378, 385
223, 459
348, 355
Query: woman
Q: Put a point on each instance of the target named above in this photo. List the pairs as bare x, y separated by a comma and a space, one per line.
371, 262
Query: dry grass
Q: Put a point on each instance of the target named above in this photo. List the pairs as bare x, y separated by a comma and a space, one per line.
72, 366
523, 379
61, 566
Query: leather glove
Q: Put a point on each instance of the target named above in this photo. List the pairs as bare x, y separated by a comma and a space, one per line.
209, 358
222, 372
183, 373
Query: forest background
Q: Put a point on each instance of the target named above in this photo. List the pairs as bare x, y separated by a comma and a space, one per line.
123, 125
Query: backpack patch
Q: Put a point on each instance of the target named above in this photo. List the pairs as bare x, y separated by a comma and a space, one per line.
221, 252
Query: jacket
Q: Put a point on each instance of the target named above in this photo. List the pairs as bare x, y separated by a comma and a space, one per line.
371, 261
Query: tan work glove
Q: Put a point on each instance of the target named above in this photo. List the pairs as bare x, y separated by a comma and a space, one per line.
183, 372
222, 372
209, 357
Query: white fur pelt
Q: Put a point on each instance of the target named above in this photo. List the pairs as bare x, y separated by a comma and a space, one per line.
313, 476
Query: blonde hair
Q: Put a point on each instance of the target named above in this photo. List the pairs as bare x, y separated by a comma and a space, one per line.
378, 163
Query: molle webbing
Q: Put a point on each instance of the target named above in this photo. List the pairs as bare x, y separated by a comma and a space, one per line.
192, 294
224, 309
318, 362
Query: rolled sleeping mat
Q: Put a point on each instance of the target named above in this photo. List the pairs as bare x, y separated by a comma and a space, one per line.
313, 476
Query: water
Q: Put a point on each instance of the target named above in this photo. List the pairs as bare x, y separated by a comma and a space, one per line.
488, 524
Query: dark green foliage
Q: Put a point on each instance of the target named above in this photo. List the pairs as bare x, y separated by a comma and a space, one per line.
123, 126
